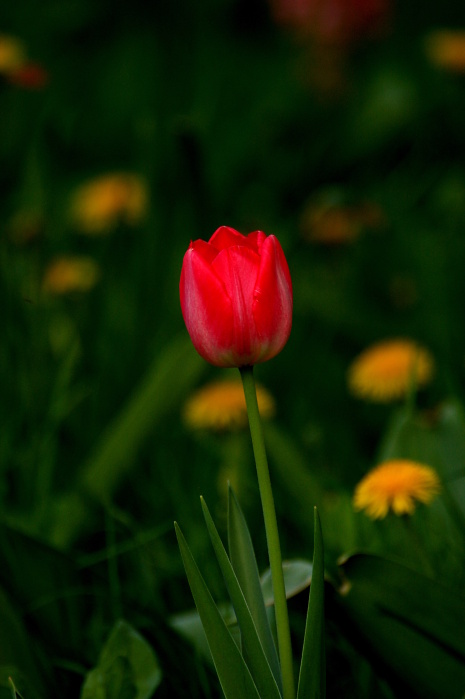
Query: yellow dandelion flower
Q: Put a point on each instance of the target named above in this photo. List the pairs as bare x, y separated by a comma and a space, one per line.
384, 371
328, 222
12, 54
396, 485
98, 205
446, 49
220, 405
66, 274
329, 225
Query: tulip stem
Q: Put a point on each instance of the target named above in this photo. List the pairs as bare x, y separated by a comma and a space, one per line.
272, 536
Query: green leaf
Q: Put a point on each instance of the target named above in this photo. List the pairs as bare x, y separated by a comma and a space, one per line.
245, 567
234, 676
253, 651
409, 624
297, 576
127, 668
312, 678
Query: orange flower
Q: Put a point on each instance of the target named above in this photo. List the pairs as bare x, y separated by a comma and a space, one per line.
385, 371
66, 274
396, 485
98, 205
446, 49
220, 405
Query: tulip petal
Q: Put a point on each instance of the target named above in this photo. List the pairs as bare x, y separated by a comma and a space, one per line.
206, 308
238, 267
256, 240
272, 304
205, 250
224, 237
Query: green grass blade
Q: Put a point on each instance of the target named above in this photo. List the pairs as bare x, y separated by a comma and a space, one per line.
252, 647
235, 678
243, 561
312, 679
173, 372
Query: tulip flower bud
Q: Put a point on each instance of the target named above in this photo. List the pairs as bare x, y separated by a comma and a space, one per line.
236, 297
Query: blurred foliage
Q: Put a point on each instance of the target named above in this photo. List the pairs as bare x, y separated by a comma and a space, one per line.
229, 119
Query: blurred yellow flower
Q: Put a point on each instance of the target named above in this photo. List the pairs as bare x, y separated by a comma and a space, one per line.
220, 405
385, 371
329, 223
446, 49
68, 273
396, 485
98, 205
12, 54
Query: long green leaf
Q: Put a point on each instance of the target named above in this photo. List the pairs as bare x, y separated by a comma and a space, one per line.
312, 679
233, 673
297, 576
410, 625
252, 648
244, 563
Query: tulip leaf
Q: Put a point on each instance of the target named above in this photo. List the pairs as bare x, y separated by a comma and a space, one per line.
252, 648
127, 668
244, 563
410, 625
297, 576
312, 678
233, 674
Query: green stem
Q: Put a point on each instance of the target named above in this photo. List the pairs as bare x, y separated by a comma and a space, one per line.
272, 536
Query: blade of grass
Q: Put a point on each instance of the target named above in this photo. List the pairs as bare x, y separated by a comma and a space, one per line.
312, 679
235, 678
173, 372
252, 648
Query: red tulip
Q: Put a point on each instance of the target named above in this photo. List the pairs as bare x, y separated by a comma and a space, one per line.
236, 297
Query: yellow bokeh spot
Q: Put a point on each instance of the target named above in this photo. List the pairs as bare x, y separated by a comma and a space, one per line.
220, 405
98, 205
67, 274
446, 49
385, 371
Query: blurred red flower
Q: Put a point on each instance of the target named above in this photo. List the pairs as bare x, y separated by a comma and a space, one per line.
31, 76
332, 21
